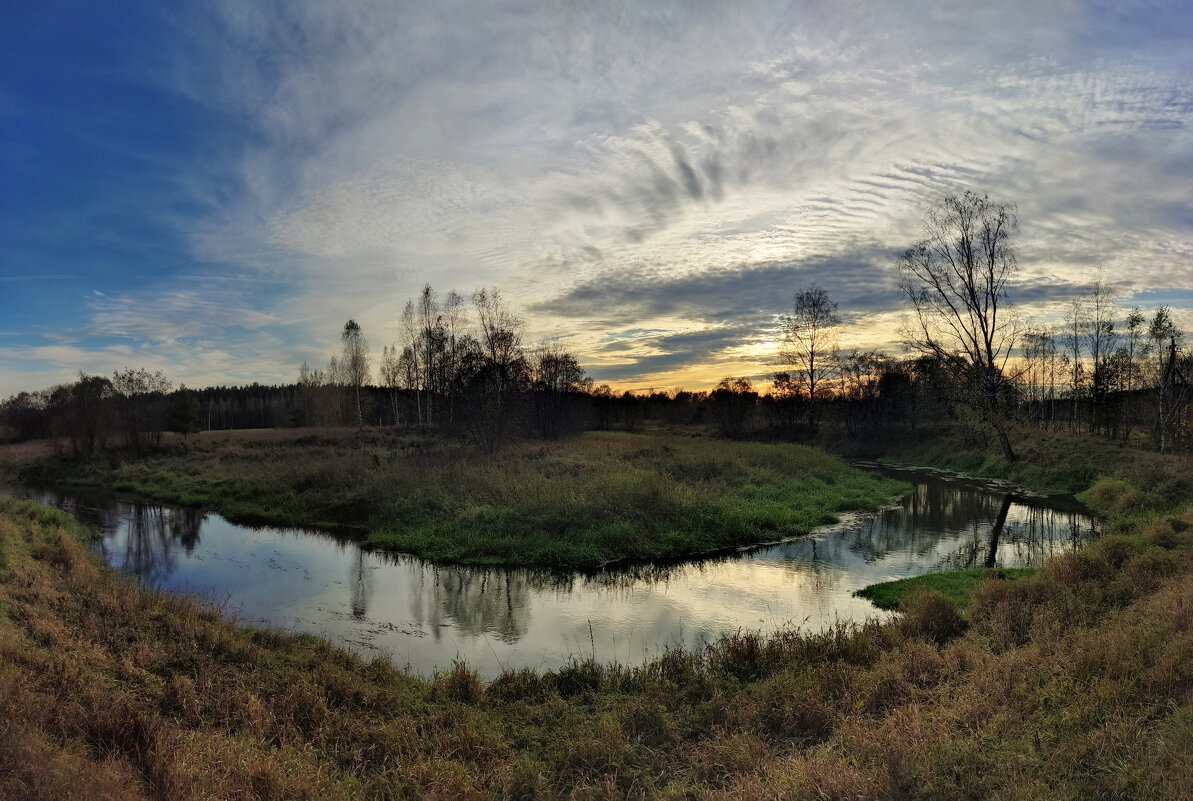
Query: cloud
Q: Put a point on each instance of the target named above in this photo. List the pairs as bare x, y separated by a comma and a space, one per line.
861, 282
676, 168
173, 314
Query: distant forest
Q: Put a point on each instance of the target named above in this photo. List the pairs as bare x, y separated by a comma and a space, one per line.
462, 368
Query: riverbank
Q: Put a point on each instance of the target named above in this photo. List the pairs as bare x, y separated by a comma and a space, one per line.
576, 504
1046, 461
1122, 481
1073, 682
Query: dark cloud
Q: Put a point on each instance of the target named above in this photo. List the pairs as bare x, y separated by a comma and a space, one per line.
862, 283
1044, 290
678, 351
691, 181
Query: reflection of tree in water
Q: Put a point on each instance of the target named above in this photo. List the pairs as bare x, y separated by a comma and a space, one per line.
1029, 538
361, 582
995, 526
147, 546
185, 527
144, 534
626, 578
974, 525
477, 600
624, 581
934, 510
95, 512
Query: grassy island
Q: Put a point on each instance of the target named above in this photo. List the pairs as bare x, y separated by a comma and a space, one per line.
576, 504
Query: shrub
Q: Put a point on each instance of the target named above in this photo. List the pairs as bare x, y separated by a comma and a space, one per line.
930, 614
459, 684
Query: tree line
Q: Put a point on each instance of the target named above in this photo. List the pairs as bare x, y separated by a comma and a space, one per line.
1104, 370
460, 367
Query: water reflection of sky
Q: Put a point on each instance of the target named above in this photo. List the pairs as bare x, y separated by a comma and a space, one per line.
426, 615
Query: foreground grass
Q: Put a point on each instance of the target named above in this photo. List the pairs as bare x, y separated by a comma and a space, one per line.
576, 504
956, 585
1074, 682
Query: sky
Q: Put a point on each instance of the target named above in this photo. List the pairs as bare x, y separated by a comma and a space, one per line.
212, 189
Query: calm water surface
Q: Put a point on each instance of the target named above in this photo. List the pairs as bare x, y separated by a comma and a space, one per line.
425, 616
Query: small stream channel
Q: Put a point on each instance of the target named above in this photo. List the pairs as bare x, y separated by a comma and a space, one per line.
425, 616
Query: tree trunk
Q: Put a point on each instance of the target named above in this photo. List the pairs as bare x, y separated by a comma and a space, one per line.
1005, 441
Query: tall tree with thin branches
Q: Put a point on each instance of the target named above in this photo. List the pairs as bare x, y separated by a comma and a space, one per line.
956, 280
810, 342
355, 363
1101, 337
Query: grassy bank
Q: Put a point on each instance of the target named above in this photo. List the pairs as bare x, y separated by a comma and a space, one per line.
1051, 461
1074, 682
574, 504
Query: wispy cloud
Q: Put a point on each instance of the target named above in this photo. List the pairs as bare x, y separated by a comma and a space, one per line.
173, 314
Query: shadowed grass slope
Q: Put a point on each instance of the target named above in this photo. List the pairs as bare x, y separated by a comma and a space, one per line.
574, 504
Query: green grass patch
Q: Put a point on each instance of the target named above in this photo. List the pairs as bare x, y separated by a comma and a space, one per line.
956, 585
578, 504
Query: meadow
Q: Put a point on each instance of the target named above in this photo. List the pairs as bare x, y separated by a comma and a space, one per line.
1073, 682
581, 504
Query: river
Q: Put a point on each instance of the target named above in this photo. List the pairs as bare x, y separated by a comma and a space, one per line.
425, 616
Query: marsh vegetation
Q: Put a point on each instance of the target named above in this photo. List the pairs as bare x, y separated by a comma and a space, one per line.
581, 503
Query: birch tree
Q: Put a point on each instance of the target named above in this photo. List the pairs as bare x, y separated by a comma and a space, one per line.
355, 363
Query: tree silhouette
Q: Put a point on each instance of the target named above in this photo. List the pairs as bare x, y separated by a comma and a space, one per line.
810, 342
956, 280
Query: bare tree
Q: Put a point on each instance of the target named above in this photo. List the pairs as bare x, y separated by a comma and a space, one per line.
431, 339
455, 318
1101, 336
309, 399
391, 377
1135, 348
956, 280
355, 362
1075, 317
557, 378
810, 342
501, 336
494, 371
411, 361
1166, 341
139, 395
733, 402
